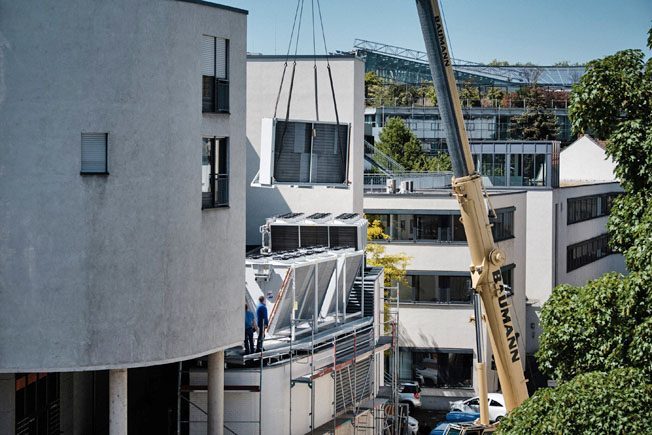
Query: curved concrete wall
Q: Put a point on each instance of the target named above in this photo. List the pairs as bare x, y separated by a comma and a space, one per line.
126, 269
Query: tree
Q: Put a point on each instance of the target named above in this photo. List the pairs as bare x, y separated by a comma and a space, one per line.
372, 83
597, 338
395, 265
398, 142
613, 100
535, 123
597, 327
614, 402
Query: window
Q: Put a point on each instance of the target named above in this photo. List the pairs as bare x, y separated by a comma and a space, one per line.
589, 207
434, 228
588, 251
440, 289
215, 172
94, 153
438, 367
503, 227
215, 80
37, 403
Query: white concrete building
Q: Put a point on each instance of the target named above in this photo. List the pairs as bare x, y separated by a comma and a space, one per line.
552, 235
122, 189
264, 75
585, 161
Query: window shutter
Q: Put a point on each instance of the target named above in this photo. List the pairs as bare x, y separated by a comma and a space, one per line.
220, 58
208, 56
93, 155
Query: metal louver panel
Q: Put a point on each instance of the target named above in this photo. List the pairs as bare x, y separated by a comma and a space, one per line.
344, 237
208, 56
292, 152
329, 153
93, 152
314, 236
220, 58
284, 237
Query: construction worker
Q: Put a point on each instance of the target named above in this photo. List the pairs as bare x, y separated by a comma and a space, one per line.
263, 323
250, 327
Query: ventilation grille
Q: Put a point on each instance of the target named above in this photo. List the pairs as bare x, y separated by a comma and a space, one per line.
93, 152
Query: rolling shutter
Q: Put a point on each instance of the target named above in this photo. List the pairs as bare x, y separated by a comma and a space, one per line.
93, 152
220, 58
208, 56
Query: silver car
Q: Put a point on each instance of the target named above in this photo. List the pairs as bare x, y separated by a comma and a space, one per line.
410, 393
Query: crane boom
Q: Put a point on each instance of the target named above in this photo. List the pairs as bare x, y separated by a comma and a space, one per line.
467, 187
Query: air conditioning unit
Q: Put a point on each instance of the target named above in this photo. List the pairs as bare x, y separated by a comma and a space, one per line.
347, 230
406, 186
303, 153
390, 185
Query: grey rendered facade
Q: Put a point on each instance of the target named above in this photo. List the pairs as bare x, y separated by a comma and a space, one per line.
125, 269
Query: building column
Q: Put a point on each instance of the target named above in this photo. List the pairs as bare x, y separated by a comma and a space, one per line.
118, 402
216, 393
7, 403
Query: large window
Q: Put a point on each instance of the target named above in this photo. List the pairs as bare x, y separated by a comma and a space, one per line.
421, 227
439, 289
588, 251
503, 227
215, 172
215, 74
437, 367
589, 207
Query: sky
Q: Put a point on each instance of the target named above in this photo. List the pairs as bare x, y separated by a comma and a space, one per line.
538, 31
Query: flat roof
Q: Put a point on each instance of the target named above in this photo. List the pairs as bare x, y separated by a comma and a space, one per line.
255, 56
217, 5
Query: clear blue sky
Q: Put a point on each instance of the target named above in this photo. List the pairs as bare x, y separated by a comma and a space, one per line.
538, 31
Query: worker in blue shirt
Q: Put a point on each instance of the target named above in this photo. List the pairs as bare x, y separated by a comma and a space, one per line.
263, 323
250, 327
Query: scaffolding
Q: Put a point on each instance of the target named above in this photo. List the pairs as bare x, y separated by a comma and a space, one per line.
349, 349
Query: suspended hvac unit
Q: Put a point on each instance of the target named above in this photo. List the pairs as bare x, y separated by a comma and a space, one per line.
295, 230
303, 153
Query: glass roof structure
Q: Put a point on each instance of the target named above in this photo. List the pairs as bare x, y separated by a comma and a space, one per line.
403, 65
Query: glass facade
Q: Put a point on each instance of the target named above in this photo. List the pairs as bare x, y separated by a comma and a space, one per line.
440, 368
588, 251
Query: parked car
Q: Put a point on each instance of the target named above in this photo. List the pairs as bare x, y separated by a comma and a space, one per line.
440, 429
411, 422
497, 408
409, 392
413, 426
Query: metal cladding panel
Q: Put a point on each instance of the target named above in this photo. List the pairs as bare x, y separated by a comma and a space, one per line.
302, 282
266, 151
329, 153
306, 302
292, 152
345, 283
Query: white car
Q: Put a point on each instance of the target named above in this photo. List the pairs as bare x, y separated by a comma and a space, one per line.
413, 426
497, 408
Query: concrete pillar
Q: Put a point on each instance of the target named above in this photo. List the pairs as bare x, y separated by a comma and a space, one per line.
7, 403
118, 402
216, 393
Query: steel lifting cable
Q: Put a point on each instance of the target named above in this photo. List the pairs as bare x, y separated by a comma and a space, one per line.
297, 12
287, 56
328, 66
314, 58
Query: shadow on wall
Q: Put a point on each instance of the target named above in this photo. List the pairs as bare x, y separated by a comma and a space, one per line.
262, 202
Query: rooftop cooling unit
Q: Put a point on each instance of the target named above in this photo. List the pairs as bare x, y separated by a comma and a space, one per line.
347, 230
303, 153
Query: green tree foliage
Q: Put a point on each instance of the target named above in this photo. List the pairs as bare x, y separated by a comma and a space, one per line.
597, 327
613, 101
535, 123
614, 402
397, 141
372, 84
470, 95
